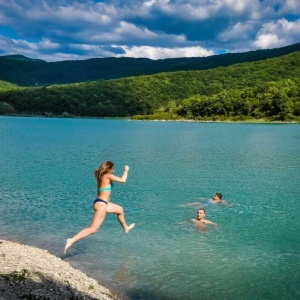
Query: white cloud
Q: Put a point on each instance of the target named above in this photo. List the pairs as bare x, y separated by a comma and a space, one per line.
156, 28
238, 6
137, 35
292, 28
149, 3
290, 7
35, 50
134, 31
276, 34
265, 41
11, 46
161, 53
48, 45
206, 9
239, 31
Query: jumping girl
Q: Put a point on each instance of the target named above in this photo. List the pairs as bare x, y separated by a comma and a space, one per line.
102, 205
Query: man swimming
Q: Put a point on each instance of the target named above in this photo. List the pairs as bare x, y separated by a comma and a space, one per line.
201, 217
200, 221
217, 198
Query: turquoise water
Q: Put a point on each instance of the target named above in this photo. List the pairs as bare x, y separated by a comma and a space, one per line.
47, 190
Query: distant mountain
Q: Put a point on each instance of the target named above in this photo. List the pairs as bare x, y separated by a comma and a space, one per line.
20, 57
24, 71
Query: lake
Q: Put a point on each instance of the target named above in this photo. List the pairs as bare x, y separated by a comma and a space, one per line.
48, 187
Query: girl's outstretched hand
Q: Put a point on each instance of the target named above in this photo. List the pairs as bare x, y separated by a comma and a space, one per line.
126, 168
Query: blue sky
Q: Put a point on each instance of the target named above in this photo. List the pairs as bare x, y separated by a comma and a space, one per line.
55, 30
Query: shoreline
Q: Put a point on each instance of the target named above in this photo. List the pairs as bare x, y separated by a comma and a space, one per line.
249, 121
29, 272
217, 121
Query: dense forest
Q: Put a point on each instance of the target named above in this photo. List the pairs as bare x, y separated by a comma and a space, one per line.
267, 89
25, 71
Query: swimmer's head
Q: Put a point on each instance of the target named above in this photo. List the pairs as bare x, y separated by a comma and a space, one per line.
217, 196
200, 213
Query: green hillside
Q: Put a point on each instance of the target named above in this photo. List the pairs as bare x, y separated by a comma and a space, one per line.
4, 86
267, 89
25, 71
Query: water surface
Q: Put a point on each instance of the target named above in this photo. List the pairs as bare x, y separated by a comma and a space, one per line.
47, 190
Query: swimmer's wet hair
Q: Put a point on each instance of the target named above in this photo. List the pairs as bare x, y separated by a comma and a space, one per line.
201, 209
219, 195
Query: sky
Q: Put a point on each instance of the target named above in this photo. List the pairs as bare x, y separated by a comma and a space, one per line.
56, 30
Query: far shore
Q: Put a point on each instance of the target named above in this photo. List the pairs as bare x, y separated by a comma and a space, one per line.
249, 121
28, 272
223, 121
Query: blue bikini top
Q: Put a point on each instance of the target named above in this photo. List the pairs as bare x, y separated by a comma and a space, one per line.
106, 189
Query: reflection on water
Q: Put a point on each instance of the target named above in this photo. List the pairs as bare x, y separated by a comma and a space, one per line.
47, 190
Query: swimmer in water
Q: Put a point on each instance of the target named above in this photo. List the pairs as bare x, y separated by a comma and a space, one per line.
102, 205
200, 221
217, 198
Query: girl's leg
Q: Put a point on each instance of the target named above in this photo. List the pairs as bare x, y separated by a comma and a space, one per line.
99, 216
117, 209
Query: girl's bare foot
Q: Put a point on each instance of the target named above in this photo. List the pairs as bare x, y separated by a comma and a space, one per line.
68, 245
129, 227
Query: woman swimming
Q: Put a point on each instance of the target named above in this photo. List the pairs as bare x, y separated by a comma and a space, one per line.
102, 205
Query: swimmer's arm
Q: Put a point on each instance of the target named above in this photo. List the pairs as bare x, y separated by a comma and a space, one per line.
210, 222
192, 204
184, 222
122, 179
195, 204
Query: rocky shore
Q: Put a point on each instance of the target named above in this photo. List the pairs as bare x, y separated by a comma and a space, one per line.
28, 272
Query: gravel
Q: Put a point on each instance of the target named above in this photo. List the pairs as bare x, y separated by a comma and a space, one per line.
27, 272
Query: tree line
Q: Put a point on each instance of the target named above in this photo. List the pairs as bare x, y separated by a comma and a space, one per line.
267, 89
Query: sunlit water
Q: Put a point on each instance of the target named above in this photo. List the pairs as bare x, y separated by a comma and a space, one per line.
47, 190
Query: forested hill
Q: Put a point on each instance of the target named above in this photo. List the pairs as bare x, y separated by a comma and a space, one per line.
7, 86
267, 89
25, 71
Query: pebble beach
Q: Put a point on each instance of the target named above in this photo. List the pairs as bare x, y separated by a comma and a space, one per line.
27, 272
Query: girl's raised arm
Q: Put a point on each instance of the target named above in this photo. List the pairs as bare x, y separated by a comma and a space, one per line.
122, 179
